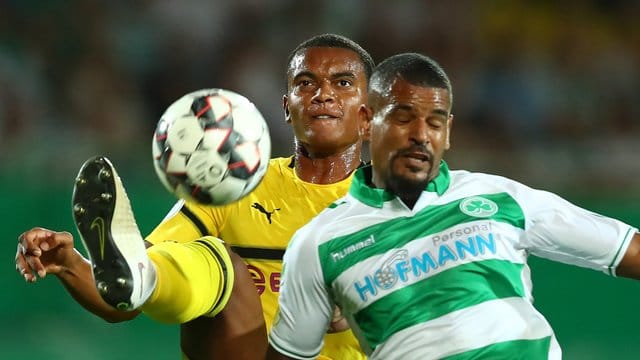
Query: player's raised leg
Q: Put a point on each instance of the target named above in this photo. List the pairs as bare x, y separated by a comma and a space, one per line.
170, 282
102, 212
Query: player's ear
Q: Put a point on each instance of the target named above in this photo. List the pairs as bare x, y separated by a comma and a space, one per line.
447, 144
365, 114
285, 107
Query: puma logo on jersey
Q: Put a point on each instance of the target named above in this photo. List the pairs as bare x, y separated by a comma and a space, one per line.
264, 211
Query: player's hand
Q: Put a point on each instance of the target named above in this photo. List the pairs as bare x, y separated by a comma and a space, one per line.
338, 322
41, 252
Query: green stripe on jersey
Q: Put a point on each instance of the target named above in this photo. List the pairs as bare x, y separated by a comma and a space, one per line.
509, 350
454, 289
399, 231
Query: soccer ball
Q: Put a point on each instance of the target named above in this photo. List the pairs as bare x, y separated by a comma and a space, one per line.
211, 146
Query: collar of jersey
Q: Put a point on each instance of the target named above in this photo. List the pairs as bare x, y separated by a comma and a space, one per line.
362, 187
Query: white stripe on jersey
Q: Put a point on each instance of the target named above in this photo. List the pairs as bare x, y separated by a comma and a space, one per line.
425, 341
505, 250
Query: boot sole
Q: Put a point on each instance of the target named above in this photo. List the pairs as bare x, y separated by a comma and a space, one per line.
95, 197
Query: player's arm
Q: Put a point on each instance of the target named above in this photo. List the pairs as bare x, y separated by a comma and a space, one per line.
563, 232
305, 308
273, 354
41, 252
630, 264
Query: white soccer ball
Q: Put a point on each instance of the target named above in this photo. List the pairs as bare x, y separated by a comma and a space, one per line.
211, 146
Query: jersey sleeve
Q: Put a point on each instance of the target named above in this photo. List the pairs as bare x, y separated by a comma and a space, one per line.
185, 222
560, 231
305, 308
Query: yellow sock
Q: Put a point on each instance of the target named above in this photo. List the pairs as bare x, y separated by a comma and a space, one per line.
194, 279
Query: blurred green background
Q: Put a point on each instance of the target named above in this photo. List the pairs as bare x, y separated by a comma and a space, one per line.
546, 92
41, 321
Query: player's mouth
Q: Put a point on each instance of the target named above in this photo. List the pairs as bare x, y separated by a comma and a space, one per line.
324, 117
417, 158
417, 155
324, 112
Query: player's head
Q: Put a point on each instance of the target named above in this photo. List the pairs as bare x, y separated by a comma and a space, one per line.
327, 78
331, 41
410, 101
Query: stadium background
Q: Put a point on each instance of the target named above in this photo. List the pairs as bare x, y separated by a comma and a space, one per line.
545, 92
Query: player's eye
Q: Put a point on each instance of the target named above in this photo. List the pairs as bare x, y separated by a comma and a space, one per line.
401, 115
344, 82
402, 118
435, 124
304, 82
437, 121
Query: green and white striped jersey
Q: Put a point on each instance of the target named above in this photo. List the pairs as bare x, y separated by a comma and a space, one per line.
446, 279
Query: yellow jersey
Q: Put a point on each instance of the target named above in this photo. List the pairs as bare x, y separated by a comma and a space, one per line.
258, 227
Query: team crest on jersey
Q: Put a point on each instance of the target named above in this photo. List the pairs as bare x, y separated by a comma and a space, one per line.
477, 206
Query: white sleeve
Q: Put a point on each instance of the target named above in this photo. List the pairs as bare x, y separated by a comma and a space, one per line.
305, 308
560, 231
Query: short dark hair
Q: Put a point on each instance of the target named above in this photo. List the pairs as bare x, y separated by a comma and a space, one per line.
414, 68
333, 41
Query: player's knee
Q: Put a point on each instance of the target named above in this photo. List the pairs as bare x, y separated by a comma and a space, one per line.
221, 256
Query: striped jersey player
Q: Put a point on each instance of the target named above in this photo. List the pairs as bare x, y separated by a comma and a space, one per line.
429, 263
408, 278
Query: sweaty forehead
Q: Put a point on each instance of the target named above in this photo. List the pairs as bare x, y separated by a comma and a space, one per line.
324, 61
403, 93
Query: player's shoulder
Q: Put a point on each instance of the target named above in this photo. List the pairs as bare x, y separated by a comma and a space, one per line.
327, 223
277, 172
279, 168
281, 163
485, 181
466, 175
336, 210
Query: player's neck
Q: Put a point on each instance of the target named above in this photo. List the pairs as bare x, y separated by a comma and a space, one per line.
326, 168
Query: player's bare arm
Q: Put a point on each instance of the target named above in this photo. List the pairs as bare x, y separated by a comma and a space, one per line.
630, 264
42, 251
273, 354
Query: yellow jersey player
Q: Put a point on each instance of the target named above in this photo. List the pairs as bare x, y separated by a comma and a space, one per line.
258, 228
179, 278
